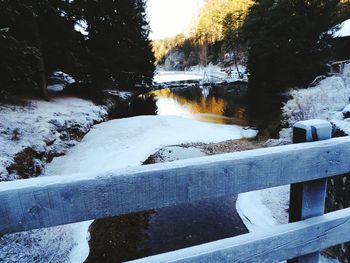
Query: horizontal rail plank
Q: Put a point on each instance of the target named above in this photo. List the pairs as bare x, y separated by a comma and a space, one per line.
56, 200
273, 245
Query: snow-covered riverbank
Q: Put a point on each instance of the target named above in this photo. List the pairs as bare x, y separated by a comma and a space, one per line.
329, 100
34, 133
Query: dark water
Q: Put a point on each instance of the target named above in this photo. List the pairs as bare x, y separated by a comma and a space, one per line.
143, 234
148, 233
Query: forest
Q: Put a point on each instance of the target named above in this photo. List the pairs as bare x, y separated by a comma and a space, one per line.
101, 44
283, 44
106, 45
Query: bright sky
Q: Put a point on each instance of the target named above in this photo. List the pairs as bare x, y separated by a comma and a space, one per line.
171, 17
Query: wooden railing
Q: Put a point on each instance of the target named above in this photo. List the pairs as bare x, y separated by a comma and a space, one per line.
57, 200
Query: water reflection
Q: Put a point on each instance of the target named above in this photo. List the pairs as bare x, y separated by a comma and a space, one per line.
224, 105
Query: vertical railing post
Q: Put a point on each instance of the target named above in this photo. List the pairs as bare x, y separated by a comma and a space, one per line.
308, 199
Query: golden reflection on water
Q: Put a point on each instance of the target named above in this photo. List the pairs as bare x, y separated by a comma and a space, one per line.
209, 109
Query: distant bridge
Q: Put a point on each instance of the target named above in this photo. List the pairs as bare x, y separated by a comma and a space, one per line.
57, 200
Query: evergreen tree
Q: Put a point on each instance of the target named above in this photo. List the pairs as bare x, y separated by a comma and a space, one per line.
40, 37
63, 47
118, 42
18, 65
215, 29
20, 37
38, 32
288, 41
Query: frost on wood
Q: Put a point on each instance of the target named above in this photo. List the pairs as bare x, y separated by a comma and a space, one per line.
271, 245
46, 245
25, 206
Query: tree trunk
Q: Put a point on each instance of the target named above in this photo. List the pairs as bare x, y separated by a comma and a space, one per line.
42, 71
203, 56
236, 63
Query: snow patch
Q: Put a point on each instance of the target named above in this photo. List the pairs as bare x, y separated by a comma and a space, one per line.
344, 30
55, 87
216, 72
212, 73
128, 142
124, 95
172, 76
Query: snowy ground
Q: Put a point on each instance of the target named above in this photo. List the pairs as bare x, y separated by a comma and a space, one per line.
111, 145
166, 76
42, 126
216, 72
329, 100
210, 73
344, 30
128, 142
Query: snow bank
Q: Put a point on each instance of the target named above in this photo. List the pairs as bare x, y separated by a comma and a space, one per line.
172, 76
212, 73
324, 101
327, 101
344, 30
128, 142
41, 126
216, 72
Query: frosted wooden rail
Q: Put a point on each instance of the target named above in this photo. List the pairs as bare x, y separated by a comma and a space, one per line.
273, 245
56, 200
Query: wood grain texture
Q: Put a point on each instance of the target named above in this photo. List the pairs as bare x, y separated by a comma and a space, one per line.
307, 199
57, 200
280, 243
